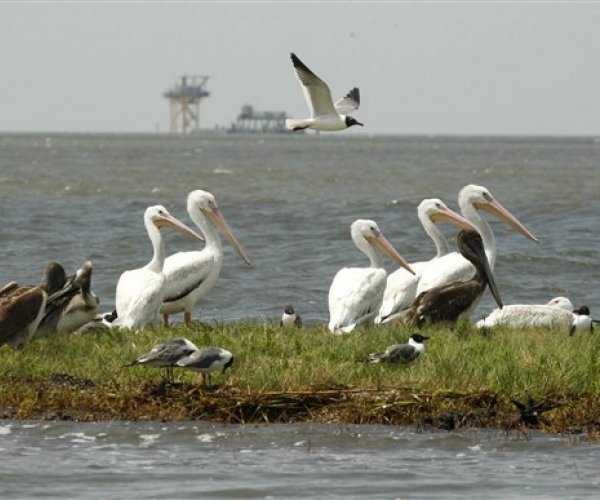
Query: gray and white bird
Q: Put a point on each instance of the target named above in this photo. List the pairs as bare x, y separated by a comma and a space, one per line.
582, 321
206, 360
290, 318
324, 114
166, 355
401, 354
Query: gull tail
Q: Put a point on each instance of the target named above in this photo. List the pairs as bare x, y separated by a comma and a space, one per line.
376, 357
296, 123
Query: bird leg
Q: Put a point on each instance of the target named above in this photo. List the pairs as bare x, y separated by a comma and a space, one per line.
166, 319
187, 318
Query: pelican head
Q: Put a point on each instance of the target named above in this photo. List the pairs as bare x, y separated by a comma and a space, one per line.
561, 303
368, 230
482, 199
160, 217
470, 246
437, 211
207, 204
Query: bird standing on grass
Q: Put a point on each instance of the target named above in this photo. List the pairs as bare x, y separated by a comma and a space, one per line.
206, 361
290, 318
324, 114
401, 354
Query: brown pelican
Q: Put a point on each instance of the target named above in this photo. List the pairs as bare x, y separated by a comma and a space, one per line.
206, 360
140, 292
74, 309
190, 276
290, 318
451, 301
356, 293
401, 354
22, 307
453, 266
401, 286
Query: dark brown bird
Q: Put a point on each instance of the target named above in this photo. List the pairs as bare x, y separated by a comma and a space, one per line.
22, 307
447, 303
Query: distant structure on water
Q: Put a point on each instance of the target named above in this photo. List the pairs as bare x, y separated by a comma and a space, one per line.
251, 121
184, 101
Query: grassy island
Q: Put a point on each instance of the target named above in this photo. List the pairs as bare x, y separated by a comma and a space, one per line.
467, 378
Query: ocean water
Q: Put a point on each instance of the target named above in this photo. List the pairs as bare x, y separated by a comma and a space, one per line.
290, 200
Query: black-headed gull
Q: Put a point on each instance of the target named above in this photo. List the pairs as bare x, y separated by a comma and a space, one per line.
290, 318
324, 114
401, 354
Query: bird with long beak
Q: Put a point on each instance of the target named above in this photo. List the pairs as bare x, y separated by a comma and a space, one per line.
401, 287
454, 267
190, 276
22, 307
451, 301
140, 292
356, 293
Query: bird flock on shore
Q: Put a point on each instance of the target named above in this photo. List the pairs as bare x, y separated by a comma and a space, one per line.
443, 289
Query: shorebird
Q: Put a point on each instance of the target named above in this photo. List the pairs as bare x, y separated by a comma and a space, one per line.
206, 360
190, 276
401, 354
324, 114
356, 293
140, 292
290, 318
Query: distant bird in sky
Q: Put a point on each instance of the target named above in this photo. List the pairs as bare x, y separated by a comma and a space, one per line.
401, 354
324, 114
290, 318
166, 355
207, 360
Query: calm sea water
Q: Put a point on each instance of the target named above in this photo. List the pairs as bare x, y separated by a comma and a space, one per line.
290, 201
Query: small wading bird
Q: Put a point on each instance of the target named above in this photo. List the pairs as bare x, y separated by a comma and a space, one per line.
290, 318
449, 302
166, 355
356, 293
140, 292
453, 266
401, 354
74, 309
324, 114
190, 276
22, 307
206, 360
401, 286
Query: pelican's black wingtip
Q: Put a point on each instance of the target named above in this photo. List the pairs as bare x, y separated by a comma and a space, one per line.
298, 64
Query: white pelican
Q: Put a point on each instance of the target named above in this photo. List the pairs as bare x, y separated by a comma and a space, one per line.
22, 307
356, 293
192, 275
140, 291
401, 287
73, 310
206, 360
166, 355
451, 301
401, 354
324, 114
290, 318
453, 266
562, 302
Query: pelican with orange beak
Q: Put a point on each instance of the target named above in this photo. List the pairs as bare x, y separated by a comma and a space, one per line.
454, 267
356, 293
140, 292
190, 276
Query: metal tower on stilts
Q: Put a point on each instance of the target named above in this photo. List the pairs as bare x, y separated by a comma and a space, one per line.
184, 102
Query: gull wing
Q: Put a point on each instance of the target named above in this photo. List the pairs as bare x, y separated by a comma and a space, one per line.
316, 91
349, 103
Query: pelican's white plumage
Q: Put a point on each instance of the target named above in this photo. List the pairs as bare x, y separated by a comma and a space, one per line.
453, 266
139, 292
356, 293
190, 276
401, 286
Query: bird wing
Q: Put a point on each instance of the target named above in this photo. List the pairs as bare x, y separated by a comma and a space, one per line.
350, 102
355, 296
18, 310
185, 271
449, 268
203, 359
400, 291
138, 297
402, 353
316, 91
528, 315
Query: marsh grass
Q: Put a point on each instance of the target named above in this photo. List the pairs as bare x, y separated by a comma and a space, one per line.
286, 368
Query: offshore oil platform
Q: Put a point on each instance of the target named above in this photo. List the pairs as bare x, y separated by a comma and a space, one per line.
184, 105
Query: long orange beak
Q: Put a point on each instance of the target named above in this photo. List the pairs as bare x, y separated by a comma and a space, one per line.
494, 207
450, 216
217, 218
380, 242
172, 222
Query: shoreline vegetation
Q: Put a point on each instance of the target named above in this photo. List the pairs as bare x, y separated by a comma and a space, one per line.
502, 379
